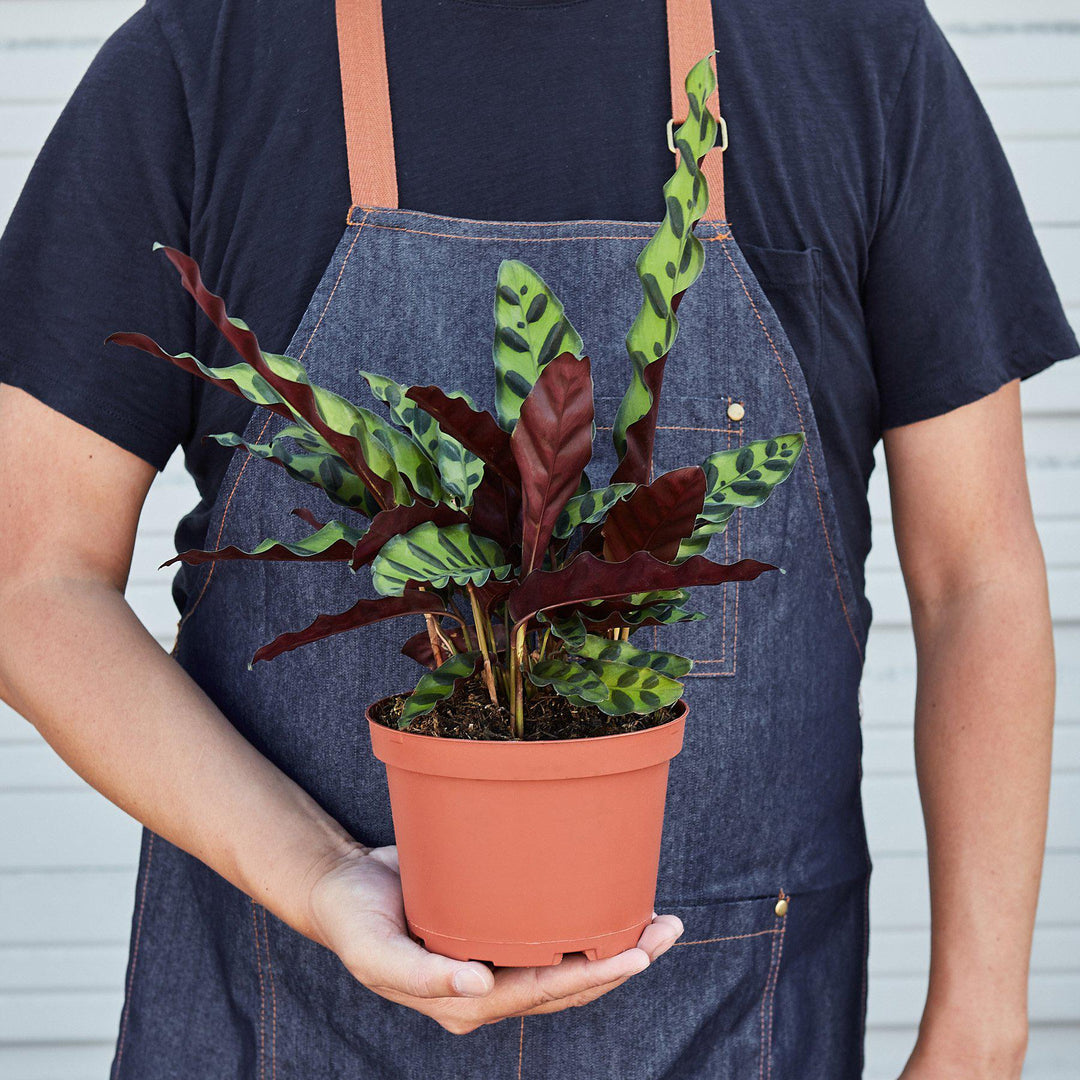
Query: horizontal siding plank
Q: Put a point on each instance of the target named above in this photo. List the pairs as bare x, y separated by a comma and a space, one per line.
63, 20
70, 906
1039, 57
64, 1016
69, 829
1039, 165
1033, 112
36, 69
86, 1061
960, 14
49, 968
1055, 391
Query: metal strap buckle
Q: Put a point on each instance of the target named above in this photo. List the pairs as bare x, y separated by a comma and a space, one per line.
723, 135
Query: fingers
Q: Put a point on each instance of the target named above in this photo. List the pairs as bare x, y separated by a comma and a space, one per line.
472, 996
660, 935
397, 963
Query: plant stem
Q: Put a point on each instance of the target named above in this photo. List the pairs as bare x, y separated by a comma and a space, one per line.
433, 637
482, 638
517, 678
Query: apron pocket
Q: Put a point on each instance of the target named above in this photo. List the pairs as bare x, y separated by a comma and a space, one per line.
704, 1009
690, 429
793, 283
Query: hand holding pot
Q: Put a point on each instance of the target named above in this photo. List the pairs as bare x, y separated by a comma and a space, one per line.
358, 911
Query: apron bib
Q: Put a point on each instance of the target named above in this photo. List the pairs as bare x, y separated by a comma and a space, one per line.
764, 855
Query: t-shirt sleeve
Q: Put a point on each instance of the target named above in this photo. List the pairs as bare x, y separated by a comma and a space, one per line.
958, 299
75, 260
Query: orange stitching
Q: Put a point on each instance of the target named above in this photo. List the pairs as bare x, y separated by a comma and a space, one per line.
262, 994
809, 457
776, 980
727, 558
502, 239
134, 953
761, 1011
521, 1046
523, 224
738, 555
734, 937
714, 430
273, 998
262, 431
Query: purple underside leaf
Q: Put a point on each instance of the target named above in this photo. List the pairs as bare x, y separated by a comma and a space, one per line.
308, 517
495, 510
397, 520
478, 431
362, 613
552, 444
586, 577
299, 395
657, 517
636, 463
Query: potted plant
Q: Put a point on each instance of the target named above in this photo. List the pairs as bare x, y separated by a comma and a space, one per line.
528, 767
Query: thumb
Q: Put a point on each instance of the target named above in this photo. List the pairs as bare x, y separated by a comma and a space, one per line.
396, 962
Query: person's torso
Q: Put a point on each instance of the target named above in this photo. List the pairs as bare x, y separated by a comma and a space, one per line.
547, 111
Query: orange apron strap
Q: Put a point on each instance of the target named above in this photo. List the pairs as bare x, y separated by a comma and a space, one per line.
365, 92
690, 37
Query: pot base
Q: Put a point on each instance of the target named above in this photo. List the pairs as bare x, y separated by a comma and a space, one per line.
530, 953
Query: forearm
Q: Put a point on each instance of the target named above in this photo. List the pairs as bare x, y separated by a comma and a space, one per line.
984, 720
77, 663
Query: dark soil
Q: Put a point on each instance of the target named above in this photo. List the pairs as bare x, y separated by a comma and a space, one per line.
469, 714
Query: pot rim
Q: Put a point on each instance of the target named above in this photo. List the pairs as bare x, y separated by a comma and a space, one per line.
523, 759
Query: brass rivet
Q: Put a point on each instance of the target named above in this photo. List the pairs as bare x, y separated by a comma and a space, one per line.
781, 908
735, 411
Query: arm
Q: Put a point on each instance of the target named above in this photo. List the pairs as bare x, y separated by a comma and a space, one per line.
976, 581
79, 665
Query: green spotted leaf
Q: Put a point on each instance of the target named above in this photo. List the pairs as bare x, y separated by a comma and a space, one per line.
280, 384
436, 556
568, 679
595, 647
744, 476
667, 266
459, 471
530, 330
400, 456
435, 686
590, 507
312, 462
334, 542
569, 629
614, 688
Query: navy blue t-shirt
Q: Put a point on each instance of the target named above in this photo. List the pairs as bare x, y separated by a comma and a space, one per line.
864, 183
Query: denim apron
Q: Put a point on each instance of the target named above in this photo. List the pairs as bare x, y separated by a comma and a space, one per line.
764, 855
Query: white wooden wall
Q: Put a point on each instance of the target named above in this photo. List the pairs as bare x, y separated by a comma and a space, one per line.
67, 857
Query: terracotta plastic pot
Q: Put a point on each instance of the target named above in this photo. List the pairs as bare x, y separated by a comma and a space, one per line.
519, 852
